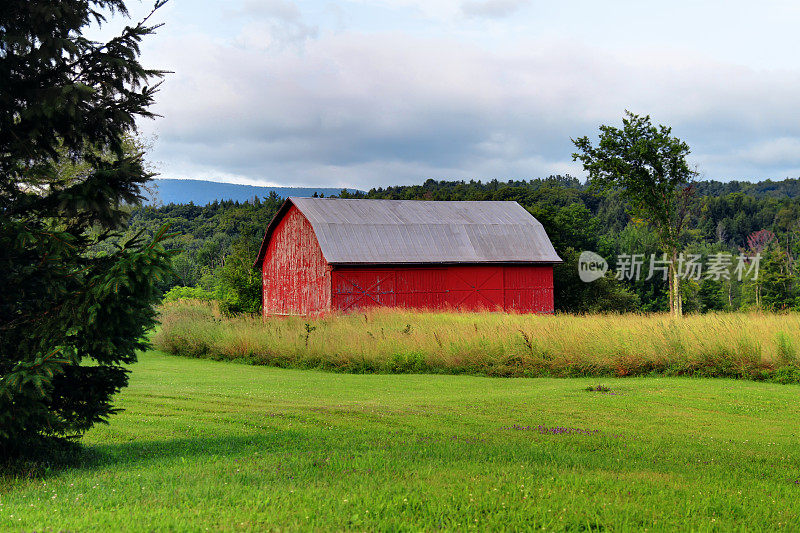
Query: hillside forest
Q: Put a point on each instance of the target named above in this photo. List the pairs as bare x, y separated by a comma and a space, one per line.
218, 242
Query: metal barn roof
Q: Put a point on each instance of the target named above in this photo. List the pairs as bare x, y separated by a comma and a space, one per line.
358, 231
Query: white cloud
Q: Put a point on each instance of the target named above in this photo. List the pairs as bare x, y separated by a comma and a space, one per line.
273, 23
438, 9
492, 8
780, 151
284, 103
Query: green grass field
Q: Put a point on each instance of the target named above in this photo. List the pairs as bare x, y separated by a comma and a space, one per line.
223, 446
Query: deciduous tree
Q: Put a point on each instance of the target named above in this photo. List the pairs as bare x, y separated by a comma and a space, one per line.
648, 165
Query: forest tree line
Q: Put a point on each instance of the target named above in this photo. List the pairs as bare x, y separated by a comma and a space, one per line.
218, 242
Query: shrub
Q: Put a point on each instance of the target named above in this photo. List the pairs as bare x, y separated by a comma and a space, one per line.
188, 293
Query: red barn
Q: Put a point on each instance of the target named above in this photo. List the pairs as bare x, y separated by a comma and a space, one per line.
324, 254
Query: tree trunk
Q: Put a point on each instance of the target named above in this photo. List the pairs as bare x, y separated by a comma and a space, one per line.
675, 300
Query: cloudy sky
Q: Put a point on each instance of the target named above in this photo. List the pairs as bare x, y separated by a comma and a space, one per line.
365, 93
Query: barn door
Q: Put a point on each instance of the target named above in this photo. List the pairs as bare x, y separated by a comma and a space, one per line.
475, 287
354, 289
529, 289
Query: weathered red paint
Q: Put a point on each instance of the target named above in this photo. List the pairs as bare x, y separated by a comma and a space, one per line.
298, 280
296, 277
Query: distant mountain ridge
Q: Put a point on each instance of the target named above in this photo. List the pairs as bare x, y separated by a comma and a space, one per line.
200, 192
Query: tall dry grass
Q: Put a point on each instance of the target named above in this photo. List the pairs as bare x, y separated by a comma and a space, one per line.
752, 346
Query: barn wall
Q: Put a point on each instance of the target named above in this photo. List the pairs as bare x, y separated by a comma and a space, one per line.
522, 288
296, 277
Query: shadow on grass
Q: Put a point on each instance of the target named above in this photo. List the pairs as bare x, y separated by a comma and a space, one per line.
38, 458
54, 457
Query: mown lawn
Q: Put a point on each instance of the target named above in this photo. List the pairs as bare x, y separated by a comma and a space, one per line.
223, 446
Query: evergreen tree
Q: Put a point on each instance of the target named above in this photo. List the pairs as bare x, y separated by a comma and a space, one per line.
777, 283
73, 314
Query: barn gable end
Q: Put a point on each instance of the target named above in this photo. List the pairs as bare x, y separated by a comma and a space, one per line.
296, 277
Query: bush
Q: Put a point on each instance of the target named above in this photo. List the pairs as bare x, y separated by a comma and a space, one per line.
238, 284
188, 293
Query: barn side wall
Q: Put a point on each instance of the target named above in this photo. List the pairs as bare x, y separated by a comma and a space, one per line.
296, 277
520, 288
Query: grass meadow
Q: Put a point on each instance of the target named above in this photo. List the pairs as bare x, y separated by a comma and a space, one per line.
736, 345
206, 445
